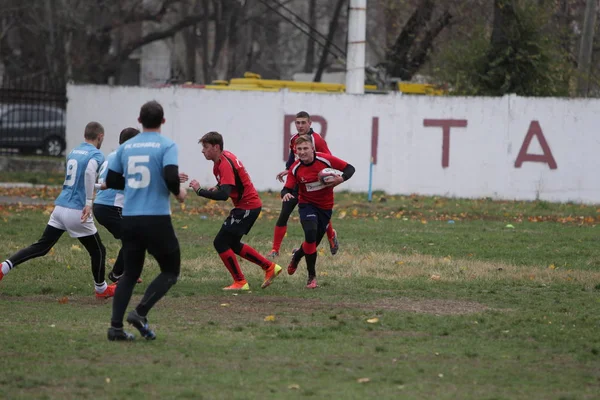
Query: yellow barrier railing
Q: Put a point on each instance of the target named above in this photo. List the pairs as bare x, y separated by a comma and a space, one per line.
420, 88
254, 82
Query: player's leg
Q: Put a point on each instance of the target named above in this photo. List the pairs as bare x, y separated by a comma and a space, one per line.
245, 219
97, 251
164, 247
309, 248
110, 218
87, 234
134, 254
334, 244
287, 207
222, 243
38, 249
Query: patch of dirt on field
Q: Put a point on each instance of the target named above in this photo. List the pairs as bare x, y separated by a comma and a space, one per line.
248, 304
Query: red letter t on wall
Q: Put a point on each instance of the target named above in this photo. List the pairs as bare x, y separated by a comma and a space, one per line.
445, 124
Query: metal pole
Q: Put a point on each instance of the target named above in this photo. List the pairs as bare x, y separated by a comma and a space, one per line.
355, 65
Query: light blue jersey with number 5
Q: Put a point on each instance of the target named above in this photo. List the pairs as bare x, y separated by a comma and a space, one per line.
141, 161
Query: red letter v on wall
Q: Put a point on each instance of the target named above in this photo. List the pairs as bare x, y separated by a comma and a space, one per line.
547, 157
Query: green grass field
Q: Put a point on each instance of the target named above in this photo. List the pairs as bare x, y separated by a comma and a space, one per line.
428, 298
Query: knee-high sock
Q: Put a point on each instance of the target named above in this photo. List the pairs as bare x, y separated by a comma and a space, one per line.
330, 232
278, 235
231, 263
311, 264
255, 257
310, 251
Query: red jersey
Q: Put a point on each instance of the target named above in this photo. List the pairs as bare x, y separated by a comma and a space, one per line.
306, 176
230, 171
318, 142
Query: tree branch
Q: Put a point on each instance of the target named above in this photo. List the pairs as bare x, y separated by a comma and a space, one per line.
112, 62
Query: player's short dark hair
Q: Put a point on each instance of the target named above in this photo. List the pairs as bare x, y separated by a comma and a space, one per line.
303, 114
127, 134
93, 130
212, 138
152, 115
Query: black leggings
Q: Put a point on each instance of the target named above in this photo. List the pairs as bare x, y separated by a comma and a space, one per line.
227, 240
287, 207
156, 235
110, 217
92, 244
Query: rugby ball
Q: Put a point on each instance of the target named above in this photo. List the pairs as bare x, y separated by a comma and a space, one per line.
328, 174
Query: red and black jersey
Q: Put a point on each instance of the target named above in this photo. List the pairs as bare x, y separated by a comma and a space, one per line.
230, 171
318, 142
306, 176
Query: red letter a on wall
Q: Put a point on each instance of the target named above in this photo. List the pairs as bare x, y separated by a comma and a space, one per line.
547, 157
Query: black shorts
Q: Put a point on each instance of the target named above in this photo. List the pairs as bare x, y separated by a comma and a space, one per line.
109, 217
309, 212
153, 233
239, 222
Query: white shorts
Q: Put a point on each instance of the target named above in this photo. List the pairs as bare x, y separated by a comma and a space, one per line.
69, 220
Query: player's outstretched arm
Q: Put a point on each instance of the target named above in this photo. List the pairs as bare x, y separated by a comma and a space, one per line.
221, 192
282, 175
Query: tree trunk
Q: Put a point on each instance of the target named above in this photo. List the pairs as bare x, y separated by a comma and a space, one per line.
206, 67
411, 48
333, 24
309, 60
585, 49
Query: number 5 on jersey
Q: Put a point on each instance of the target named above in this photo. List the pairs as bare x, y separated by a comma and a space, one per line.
135, 166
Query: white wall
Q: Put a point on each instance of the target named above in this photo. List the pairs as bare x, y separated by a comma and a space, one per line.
481, 155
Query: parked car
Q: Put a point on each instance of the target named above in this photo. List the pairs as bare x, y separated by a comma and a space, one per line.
29, 127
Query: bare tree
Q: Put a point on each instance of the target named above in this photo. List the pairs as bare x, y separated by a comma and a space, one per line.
309, 60
411, 47
333, 25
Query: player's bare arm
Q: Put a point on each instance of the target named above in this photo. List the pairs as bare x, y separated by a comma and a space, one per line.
280, 176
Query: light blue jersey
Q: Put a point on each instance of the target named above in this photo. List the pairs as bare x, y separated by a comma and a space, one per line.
108, 197
73, 191
141, 161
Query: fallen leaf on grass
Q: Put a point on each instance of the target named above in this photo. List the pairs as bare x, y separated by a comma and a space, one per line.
184, 227
363, 380
342, 215
107, 380
63, 300
294, 386
225, 305
75, 247
269, 318
435, 277
373, 320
